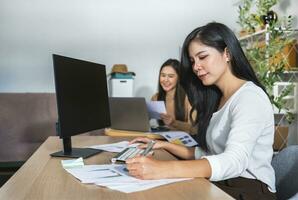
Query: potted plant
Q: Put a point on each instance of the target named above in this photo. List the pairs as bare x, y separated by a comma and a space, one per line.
266, 43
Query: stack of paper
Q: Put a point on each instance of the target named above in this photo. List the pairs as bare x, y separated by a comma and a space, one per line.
114, 147
115, 177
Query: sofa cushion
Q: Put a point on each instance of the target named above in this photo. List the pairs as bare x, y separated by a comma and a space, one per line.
26, 120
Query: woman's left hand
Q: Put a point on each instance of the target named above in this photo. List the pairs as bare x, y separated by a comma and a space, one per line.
143, 167
167, 119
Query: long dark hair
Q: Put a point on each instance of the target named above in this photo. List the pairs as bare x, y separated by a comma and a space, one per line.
205, 99
179, 97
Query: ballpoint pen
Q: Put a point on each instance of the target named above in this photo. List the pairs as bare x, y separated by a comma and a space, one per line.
149, 148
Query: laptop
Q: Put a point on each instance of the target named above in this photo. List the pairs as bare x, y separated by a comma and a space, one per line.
131, 114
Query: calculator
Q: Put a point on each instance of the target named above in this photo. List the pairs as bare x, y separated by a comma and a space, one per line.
127, 153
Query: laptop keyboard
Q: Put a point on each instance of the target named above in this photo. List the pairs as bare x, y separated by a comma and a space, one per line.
126, 154
159, 129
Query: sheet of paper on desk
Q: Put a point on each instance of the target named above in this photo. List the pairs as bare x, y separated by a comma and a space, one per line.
131, 184
178, 137
93, 173
114, 147
116, 177
155, 108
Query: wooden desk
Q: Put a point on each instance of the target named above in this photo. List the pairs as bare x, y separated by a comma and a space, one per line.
42, 177
123, 133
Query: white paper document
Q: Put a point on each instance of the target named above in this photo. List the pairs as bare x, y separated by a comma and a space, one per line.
116, 177
178, 137
155, 108
93, 173
114, 147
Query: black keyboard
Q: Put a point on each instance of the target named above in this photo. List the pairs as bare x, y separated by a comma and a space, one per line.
159, 129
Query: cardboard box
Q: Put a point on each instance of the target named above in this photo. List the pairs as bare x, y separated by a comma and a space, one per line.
280, 137
288, 53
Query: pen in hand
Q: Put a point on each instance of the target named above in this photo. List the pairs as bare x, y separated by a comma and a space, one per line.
149, 148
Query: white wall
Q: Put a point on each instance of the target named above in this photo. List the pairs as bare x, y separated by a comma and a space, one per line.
139, 33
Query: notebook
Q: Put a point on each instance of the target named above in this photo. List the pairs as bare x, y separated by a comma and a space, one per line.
129, 113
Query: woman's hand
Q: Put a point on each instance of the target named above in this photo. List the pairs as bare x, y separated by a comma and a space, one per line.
167, 119
143, 167
158, 143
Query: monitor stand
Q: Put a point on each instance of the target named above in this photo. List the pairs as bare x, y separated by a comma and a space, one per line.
70, 152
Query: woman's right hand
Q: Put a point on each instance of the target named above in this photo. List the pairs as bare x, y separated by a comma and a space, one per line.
158, 143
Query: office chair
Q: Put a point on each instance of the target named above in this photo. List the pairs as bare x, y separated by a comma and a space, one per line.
285, 165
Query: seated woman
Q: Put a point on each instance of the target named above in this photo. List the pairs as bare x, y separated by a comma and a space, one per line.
176, 101
235, 120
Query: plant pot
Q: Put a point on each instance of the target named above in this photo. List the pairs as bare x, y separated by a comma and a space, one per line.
280, 137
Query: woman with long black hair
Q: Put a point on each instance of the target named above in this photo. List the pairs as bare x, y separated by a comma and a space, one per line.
234, 119
171, 92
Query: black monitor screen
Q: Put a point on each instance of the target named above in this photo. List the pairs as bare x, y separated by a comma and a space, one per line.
82, 96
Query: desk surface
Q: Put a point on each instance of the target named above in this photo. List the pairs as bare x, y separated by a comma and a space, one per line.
42, 177
123, 133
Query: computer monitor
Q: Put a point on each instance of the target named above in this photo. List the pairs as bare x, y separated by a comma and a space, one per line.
82, 101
